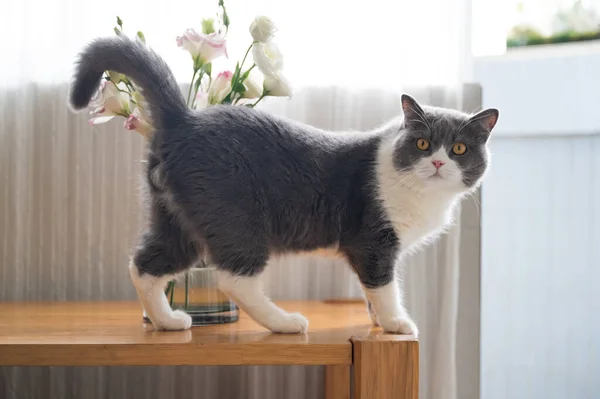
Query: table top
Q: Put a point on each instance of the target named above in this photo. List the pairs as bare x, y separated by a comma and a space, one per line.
113, 333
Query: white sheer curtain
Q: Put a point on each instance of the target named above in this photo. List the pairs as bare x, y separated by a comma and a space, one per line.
60, 179
334, 42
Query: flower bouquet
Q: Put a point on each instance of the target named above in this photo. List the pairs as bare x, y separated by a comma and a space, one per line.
118, 95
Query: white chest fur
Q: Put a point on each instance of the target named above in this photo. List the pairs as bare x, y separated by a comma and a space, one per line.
418, 213
418, 219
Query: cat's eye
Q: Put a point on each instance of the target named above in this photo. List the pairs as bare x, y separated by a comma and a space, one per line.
459, 148
423, 144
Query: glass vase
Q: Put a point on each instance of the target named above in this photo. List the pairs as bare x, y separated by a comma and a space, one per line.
196, 293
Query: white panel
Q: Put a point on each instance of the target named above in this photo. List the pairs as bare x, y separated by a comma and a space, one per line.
541, 269
546, 90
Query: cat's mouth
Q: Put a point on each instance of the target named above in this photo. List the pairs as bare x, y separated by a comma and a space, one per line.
436, 176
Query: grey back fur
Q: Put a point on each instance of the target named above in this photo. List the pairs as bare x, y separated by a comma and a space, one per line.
239, 185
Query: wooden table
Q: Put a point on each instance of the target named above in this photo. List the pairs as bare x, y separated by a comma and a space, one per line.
112, 334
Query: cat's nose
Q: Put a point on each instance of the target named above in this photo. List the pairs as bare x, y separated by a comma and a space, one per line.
437, 164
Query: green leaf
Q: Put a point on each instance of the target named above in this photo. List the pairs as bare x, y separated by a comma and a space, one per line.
236, 74
225, 18
117, 31
141, 36
245, 75
239, 88
208, 68
119, 22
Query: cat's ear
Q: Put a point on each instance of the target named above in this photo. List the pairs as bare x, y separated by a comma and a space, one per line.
486, 118
411, 108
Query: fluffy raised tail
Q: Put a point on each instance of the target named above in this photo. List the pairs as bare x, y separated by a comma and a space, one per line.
142, 65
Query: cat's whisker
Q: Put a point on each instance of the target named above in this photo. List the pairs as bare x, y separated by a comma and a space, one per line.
421, 115
477, 205
407, 177
476, 110
417, 121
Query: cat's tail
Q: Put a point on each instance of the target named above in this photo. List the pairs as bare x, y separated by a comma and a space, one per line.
142, 65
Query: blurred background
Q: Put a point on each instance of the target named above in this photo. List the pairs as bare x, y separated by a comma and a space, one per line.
507, 302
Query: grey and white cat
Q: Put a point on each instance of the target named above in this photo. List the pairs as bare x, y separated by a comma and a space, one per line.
237, 186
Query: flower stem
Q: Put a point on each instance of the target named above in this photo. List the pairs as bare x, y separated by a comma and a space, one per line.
236, 77
191, 85
196, 89
260, 98
246, 55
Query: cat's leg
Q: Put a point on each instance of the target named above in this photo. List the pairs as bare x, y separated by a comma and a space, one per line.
372, 313
241, 257
376, 270
390, 311
164, 252
247, 292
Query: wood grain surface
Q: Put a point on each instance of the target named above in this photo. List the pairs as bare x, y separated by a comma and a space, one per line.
112, 333
386, 367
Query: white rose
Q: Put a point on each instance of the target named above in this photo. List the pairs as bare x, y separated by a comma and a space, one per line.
277, 86
268, 58
262, 29
253, 89
220, 88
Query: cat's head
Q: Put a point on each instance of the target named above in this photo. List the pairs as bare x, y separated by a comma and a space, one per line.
443, 148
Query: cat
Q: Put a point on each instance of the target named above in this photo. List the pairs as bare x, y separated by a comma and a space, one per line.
238, 185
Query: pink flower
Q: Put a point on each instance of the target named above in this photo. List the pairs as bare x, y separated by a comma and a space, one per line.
220, 87
136, 122
107, 103
202, 47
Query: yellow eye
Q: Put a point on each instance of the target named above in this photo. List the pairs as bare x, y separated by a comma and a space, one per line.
423, 144
459, 148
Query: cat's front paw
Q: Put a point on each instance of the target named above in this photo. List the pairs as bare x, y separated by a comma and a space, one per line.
289, 324
177, 320
400, 325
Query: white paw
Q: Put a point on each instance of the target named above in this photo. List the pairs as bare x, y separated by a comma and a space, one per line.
289, 324
177, 320
400, 325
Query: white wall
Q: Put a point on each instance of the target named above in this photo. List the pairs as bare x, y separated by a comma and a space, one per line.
544, 89
540, 277
541, 270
